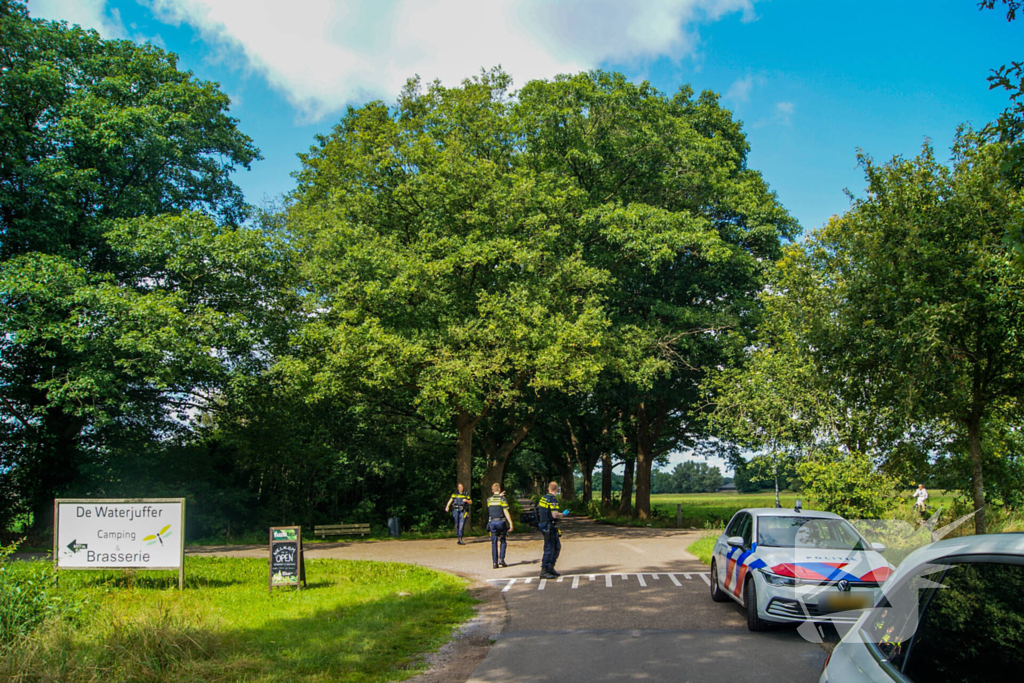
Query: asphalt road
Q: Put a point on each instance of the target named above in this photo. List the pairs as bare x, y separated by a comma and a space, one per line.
632, 605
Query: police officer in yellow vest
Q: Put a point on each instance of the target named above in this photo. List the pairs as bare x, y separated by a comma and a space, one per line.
547, 520
459, 504
499, 523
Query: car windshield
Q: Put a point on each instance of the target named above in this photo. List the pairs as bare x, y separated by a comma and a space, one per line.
801, 532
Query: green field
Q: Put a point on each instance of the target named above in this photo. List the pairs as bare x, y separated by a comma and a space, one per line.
356, 621
714, 510
702, 510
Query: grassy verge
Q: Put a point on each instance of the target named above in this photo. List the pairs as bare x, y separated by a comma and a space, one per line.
704, 546
356, 621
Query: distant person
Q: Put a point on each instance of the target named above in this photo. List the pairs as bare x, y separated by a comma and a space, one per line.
547, 520
499, 523
921, 495
459, 504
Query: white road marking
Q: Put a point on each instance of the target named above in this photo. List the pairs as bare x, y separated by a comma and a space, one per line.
608, 582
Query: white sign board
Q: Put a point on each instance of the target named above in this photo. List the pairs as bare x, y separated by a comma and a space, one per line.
119, 534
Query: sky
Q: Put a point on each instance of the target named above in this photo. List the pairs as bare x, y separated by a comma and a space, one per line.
813, 82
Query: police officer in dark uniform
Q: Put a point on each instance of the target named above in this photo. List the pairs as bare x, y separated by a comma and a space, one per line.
499, 523
459, 504
547, 520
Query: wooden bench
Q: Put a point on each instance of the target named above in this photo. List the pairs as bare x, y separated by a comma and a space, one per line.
341, 530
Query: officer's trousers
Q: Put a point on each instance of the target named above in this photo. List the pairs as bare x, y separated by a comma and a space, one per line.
459, 516
552, 547
499, 534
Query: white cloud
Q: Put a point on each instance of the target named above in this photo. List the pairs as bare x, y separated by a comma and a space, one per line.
324, 54
86, 13
739, 91
784, 111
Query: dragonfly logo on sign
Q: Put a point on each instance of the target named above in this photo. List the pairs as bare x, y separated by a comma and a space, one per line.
158, 536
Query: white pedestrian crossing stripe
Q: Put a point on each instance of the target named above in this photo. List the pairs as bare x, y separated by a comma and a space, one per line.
672, 576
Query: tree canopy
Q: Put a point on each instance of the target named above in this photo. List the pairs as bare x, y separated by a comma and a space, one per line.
108, 324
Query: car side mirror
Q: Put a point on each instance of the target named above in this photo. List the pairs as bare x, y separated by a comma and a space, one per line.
878, 547
736, 541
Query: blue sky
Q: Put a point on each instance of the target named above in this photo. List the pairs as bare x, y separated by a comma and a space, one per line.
812, 81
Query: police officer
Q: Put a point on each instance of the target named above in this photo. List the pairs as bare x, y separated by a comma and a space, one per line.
459, 504
547, 520
499, 523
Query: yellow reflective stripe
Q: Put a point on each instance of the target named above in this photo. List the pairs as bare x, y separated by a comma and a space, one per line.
545, 504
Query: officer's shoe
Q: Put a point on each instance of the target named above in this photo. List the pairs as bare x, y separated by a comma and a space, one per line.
495, 566
461, 542
547, 575
502, 563
552, 571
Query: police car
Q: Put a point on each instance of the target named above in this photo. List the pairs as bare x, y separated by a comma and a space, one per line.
796, 566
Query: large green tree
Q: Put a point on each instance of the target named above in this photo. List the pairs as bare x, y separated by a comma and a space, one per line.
683, 227
94, 132
925, 314
436, 261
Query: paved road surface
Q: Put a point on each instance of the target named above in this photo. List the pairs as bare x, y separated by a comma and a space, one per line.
632, 605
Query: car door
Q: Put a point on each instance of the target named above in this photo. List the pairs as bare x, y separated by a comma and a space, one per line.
972, 628
722, 547
731, 566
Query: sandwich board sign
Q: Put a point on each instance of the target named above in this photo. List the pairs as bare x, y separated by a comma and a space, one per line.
119, 533
287, 563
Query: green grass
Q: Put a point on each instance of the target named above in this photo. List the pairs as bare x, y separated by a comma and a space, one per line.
704, 546
356, 621
714, 509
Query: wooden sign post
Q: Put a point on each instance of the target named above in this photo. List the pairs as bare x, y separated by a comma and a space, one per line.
287, 562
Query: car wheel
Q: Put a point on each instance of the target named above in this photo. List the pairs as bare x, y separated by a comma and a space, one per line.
717, 594
754, 622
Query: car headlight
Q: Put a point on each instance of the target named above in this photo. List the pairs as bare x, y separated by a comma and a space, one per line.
776, 580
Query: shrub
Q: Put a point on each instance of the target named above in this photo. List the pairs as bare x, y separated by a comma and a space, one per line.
847, 483
27, 597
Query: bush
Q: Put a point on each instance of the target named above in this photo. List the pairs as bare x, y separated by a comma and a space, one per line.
847, 483
27, 598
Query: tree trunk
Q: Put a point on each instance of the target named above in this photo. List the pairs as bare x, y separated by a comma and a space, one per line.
606, 480
626, 501
565, 477
56, 467
977, 483
644, 462
497, 458
464, 425
583, 460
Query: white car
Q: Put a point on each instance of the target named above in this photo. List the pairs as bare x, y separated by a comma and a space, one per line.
953, 611
796, 566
